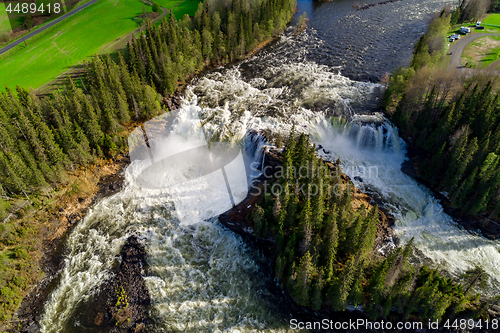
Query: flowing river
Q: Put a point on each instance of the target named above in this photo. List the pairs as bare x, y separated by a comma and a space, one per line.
202, 277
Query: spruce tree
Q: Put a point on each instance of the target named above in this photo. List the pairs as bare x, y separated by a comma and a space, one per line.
301, 287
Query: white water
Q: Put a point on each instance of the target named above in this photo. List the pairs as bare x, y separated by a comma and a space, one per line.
368, 146
375, 156
201, 277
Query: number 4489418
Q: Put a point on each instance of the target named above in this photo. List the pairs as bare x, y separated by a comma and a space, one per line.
472, 324
32, 8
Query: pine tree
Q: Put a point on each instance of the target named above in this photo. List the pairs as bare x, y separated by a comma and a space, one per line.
301, 287
344, 284
317, 295
330, 244
305, 224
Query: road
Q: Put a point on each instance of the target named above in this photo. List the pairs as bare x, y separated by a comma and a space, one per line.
45, 27
111, 47
458, 47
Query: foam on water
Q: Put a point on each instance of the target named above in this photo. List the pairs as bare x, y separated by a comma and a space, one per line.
368, 146
201, 277
374, 154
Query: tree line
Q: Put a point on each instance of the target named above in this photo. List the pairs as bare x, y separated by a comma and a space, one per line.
42, 138
325, 256
456, 125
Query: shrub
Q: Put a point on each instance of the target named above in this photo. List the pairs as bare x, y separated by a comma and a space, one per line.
5, 37
21, 253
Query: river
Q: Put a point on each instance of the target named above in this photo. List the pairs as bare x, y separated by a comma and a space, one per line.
202, 277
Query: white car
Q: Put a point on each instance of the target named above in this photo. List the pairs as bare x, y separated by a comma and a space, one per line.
464, 30
478, 23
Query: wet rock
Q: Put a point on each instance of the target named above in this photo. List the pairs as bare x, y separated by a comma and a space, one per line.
33, 328
408, 168
30, 311
122, 303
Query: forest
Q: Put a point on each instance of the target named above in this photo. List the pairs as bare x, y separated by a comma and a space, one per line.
85, 119
89, 117
325, 256
453, 121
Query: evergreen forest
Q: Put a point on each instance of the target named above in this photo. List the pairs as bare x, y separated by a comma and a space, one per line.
453, 122
325, 256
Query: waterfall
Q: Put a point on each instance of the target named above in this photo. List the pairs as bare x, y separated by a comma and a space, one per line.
370, 132
255, 146
372, 153
201, 277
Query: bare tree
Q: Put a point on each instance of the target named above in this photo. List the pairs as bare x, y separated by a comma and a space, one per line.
473, 10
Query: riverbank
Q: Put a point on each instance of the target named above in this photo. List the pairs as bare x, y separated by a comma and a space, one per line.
488, 227
54, 223
240, 220
122, 302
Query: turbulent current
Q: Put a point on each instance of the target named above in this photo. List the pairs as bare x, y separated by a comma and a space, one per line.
202, 277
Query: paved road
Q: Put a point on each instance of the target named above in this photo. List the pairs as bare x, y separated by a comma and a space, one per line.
458, 47
45, 27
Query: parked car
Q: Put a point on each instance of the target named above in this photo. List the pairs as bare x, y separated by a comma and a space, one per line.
464, 30
456, 36
452, 39
478, 24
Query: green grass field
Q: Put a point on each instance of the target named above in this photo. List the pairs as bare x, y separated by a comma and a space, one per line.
68, 43
492, 19
180, 7
4, 20
168, 3
186, 7
481, 52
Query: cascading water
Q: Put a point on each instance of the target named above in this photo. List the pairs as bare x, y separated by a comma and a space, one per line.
372, 154
201, 277
368, 146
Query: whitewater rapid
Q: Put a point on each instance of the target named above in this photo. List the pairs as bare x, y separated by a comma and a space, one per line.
311, 96
200, 276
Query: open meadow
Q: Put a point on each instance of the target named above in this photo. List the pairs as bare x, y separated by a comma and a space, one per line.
83, 35
56, 50
492, 19
186, 7
4, 20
